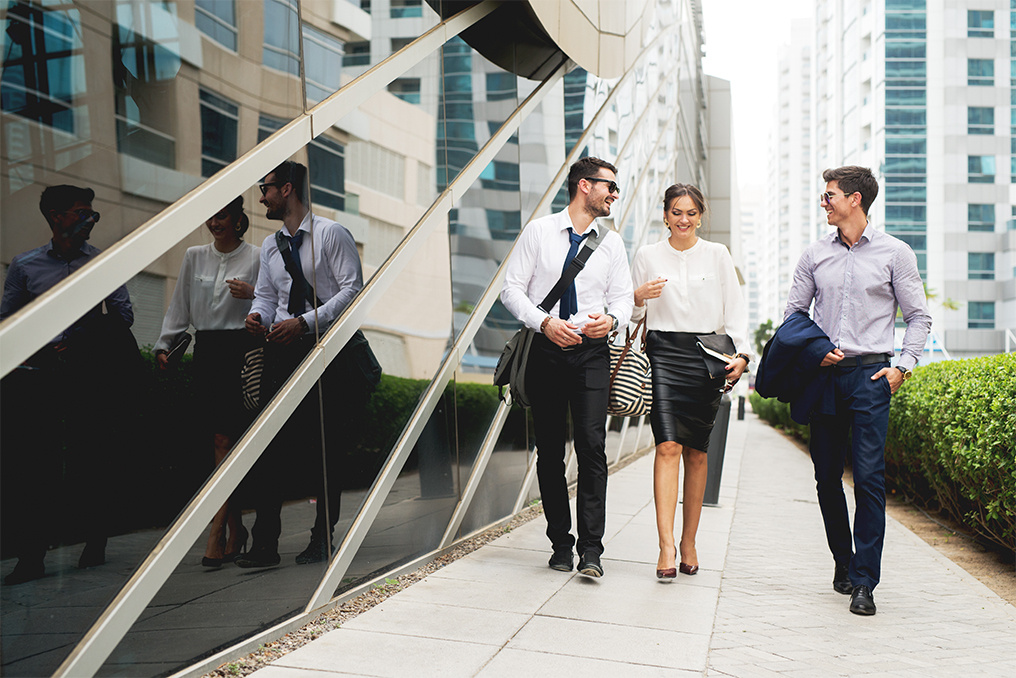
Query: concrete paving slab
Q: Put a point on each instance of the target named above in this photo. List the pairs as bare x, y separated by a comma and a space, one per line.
511, 663
386, 654
438, 621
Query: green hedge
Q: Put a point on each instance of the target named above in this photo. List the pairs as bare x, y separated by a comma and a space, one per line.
951, 442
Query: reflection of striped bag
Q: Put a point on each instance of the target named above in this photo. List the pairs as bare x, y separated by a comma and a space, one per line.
631, 380
250, 377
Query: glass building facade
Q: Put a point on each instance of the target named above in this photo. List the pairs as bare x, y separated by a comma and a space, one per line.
430, 154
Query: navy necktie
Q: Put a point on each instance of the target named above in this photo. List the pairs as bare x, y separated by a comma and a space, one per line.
570, 300
297, 293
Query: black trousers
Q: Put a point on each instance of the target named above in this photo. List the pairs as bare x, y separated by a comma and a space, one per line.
578, 379
299, 444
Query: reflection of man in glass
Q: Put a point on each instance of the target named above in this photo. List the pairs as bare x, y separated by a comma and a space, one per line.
569, 361
56, 405
285, 311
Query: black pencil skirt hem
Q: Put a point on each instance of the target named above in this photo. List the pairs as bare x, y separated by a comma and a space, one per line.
685, 399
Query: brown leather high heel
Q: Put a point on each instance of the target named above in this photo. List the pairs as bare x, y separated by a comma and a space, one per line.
688, 569
669, 573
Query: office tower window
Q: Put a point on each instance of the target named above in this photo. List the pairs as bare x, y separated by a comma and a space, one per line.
322, 63
904, 25
914, 214
494, 126
980, 265
219, 124
217, 20
282, 36
980, 72
407, 89
43, 65
980, 217
267, 125
327, 171
142, 72
906, 121
504, 225
905, 97
981, 169
980, 23
500, 176
500, 86
981, 315
356, 54
405, 8
980, 120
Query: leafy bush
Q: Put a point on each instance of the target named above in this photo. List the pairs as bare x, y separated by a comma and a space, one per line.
952, 442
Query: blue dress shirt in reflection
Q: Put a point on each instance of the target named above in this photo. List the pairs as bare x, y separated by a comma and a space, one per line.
33, 272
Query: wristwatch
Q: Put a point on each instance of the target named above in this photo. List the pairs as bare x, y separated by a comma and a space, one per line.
614, 326
905, 372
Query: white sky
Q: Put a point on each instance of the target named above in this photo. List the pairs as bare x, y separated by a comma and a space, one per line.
742, 40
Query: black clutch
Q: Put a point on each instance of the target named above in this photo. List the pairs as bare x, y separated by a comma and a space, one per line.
717, 351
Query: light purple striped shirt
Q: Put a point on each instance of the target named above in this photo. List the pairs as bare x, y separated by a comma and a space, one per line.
857, 290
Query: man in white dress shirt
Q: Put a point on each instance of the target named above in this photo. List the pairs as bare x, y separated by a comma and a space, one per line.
569, 363
286, 314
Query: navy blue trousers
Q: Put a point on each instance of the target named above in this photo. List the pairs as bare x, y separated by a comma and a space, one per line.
861, 421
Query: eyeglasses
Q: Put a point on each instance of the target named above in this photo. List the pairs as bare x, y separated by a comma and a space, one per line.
85, 215
611, 185
265, 185
828, 196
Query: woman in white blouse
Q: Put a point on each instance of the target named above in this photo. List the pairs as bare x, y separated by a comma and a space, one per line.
214, 293
685, 286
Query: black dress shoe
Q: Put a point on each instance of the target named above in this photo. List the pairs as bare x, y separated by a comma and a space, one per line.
861, 601
25, 570
589, 564
562, 560
258, 558
841, 580
316, 552
93, 555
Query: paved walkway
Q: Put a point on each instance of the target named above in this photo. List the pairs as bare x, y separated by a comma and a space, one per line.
762, 605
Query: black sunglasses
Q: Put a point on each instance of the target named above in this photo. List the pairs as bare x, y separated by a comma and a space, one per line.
85, 215
264, 186
611, 184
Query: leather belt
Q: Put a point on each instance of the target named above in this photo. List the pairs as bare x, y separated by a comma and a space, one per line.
860, 360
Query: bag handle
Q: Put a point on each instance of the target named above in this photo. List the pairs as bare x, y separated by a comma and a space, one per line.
629, 340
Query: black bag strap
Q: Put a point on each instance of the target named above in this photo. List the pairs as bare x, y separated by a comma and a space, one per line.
576, 265
295, 272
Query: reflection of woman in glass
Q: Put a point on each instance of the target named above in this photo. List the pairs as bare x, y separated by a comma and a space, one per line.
213, 294
689, 287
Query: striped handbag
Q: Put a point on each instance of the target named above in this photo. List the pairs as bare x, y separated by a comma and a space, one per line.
631, 380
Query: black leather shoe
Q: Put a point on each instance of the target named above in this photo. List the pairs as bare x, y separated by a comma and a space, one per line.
93, 555
25, 570
258, 558
861, 601
841, 580
589, 564
316, 552
562, 561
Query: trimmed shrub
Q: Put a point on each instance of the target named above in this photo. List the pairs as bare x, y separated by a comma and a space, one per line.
952, 442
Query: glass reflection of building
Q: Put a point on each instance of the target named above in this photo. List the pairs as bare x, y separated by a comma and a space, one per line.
168, 110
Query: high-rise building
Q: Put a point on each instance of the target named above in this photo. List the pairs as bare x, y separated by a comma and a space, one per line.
920, 91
